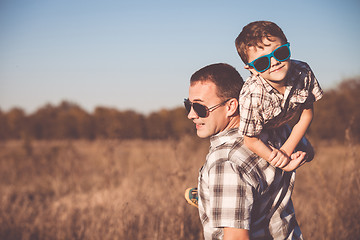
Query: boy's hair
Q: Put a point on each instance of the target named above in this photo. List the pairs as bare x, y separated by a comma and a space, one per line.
253, 35
227, 80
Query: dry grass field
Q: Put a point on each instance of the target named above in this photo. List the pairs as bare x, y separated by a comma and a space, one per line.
107, 189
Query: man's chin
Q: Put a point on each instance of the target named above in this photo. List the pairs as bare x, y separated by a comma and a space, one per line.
201, 134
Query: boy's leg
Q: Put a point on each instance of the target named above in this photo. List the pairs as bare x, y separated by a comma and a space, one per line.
277, 137
305, 146
191, 196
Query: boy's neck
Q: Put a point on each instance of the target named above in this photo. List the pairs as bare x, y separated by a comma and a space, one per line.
280, 86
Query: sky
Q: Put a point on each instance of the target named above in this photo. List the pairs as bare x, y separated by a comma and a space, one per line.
139, 55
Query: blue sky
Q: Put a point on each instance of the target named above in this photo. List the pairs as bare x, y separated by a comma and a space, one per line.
140, 54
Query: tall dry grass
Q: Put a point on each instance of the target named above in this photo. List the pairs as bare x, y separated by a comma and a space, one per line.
327, 193
134, 190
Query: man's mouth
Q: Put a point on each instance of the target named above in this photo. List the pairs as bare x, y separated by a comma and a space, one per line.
199, 125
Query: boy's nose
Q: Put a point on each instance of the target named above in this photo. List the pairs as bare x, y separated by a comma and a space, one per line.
273, 61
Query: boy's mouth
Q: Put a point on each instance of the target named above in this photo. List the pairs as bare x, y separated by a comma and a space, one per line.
277, 69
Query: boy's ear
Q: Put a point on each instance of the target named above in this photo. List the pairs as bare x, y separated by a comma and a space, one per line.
251, 69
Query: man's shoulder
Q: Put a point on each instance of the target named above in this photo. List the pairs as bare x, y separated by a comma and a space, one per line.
244, 158
235, 152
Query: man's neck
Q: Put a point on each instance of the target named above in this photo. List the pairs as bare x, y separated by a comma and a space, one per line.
233, 123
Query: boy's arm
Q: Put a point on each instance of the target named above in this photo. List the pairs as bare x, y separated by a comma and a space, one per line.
257, 146
298, 131
236, 234
274, 156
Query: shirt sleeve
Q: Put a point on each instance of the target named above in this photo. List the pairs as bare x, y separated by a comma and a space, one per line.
251, 122
315, 92
231, 197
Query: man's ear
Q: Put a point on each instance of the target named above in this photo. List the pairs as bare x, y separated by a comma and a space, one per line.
232, 107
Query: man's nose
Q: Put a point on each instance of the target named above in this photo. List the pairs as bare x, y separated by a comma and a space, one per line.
192, 114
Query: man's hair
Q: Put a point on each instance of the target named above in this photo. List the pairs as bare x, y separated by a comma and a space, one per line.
227, 80
252, 35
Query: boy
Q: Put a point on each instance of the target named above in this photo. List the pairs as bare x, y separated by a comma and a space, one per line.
276, 91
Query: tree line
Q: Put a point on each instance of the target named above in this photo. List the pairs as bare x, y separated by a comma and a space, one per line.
337, 114
70, 121
337, 117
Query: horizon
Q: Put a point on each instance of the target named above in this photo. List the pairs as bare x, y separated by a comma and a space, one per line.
58, 104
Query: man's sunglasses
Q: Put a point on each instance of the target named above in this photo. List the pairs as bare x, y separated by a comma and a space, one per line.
201, 110
263, 63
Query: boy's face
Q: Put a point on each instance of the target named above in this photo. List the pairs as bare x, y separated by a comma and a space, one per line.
277, 70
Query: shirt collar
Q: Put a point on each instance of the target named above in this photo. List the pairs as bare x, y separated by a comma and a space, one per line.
223, 137
266, 85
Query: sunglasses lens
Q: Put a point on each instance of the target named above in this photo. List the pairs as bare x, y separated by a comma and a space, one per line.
282, 53
261, 64
187, 105
200, 110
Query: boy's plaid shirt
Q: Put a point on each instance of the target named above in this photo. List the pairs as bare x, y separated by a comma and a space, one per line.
262, 106
238, 189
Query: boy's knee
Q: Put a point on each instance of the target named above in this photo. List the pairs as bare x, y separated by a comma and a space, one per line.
305, 146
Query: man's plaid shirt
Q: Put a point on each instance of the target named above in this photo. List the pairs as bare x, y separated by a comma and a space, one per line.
262, 106
238, 189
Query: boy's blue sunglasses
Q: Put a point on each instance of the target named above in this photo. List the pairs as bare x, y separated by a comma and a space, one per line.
263, 63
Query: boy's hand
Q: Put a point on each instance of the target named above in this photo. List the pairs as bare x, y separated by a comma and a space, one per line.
297, 159
297, 154
278, 158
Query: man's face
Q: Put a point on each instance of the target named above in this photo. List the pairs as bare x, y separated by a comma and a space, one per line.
277, 70
205, 93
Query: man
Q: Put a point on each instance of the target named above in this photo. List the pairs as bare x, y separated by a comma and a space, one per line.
241, 196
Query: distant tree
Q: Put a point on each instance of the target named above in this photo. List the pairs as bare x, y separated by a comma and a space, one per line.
338, 112
67, 120
107, 124
132, 125
3, 126
16, 123
100, 122
168, 124
180, 124
157, 125
86, 124
73, 122
43, 123
111, 123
